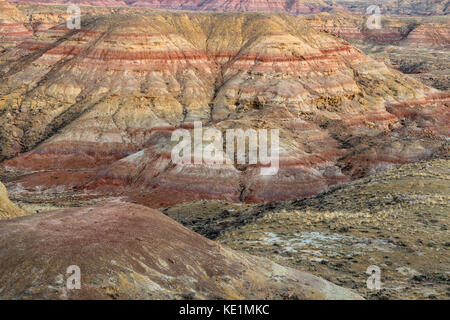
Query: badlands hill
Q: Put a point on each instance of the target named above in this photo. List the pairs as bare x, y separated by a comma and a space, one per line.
415, 45
126, 251
92, 110
402, 7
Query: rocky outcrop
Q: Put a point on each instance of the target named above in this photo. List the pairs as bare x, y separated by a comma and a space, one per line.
126, 251
8, 209
97, 107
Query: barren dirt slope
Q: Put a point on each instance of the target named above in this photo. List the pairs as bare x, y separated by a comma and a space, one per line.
126, 251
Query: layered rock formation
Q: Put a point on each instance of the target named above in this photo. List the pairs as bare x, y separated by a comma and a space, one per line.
402, 7
398, 7
12, 28
8, 209
285, 6
126, 251
45, 16
415, 46
101, 104
431, 34
353, 27
418, 31
289, 6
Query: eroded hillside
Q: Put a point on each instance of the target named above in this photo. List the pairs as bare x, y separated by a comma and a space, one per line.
95, 108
